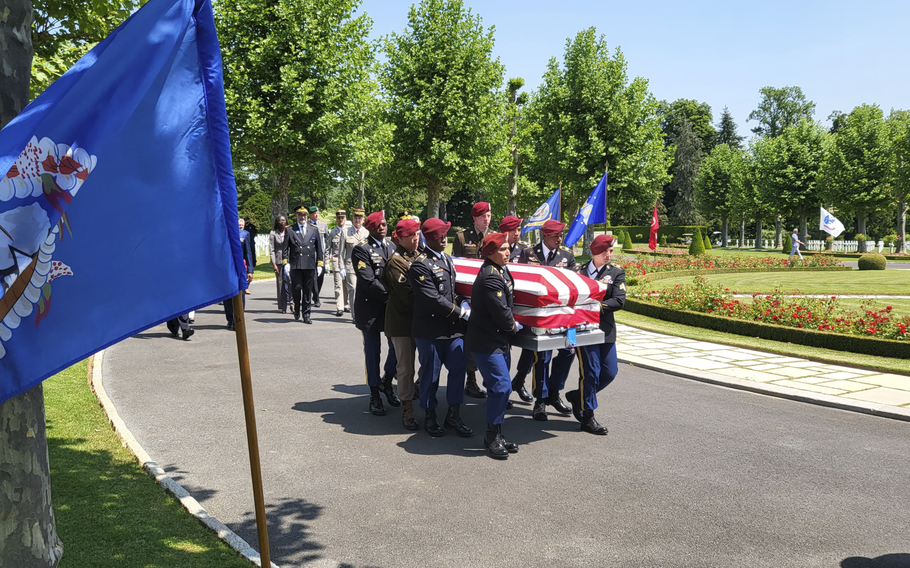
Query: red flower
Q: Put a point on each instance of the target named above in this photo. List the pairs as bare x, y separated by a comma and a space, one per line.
50, 164
69, 166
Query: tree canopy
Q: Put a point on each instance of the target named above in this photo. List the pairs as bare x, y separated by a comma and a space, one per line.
726, 131
780, 108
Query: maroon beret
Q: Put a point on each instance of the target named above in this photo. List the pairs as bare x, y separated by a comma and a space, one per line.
492, 242
373, 220
509, 223
406, 228
601, 243
553, 227
435, 228
479, 209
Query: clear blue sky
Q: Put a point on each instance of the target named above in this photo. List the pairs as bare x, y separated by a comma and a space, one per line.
841, 53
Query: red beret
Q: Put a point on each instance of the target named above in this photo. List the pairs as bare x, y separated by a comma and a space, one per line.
373, 220
553, 227
479, 209
435, 228
509, 223
406, 228
601, 243
492, 242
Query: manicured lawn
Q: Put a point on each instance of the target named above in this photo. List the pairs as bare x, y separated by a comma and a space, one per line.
788, 349
109, 512
879, 282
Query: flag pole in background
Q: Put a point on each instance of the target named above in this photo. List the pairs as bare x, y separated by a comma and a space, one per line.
606, 195
249, 413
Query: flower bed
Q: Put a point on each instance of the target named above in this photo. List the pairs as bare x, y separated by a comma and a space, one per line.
821, 314
659, 251
637, 269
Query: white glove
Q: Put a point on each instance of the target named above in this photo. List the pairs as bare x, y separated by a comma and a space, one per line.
518, 326
343, 273
465, 311
318, 271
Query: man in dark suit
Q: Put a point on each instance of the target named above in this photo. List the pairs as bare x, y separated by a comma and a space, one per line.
438, 327
598, 362
490, 327
303, 249
547, 382
468, 244
249, 260
369, 259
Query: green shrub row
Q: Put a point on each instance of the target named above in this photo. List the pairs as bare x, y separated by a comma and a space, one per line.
807, 337
672, 232
701, 272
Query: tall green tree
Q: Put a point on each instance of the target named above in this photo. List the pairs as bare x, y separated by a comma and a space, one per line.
856, 173
899, 140
779, 108
297, 75
687, 160
28, 531
726, 131
591, 116
446, 99
787, 169
697, 114
517, 101
720, 177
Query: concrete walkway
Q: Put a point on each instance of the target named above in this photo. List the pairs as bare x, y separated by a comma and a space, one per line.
874, 392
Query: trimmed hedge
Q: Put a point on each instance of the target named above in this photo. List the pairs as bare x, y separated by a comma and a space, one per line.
708, 243
808, 337
672, 232
698, 244
700, 272
788, 243
872, 261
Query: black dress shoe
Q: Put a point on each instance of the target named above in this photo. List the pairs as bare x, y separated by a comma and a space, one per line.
510, 447
230, 327
187, 333
540, 410
376, 407
574, 398
338, 313
509, 405
317, 304
389, 391
454, 422
558, 405
518, 385
347, 309
492, 441
592, 426
296, 317
307, 320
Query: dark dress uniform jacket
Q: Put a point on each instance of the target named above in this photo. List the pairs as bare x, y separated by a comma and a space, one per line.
468, 243
437, 309
399, 309
303, 247
491, 323
516, 250
534, 255
614, 299
369, 259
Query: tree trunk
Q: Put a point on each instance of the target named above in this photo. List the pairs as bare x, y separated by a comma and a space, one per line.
725, 228
26, 512
281, 182
512, 205
443, 212
803, 227
28, 531
433, 190
902, 224
758, 239
363, 175
742, 232
778, 240
861, 221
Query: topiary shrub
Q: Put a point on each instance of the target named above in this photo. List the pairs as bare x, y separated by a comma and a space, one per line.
707, 242
872, 261
663, 239
788, 243
627, 241
698, 244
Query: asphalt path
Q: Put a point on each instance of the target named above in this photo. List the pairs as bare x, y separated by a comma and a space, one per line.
690, 475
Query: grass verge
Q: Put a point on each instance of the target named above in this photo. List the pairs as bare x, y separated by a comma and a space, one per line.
848, 282
109, 512
789, 349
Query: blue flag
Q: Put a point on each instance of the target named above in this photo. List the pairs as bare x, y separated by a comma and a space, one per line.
591, 213
549, 210
118, 208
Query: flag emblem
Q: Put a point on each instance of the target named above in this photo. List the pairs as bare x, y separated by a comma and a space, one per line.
542, 213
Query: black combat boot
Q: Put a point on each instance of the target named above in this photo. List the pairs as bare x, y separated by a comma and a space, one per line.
431, 425
492, 441
574, 398
591, 425
407, 416
540, 410
376, 406
471, 388
389, 391
453, 420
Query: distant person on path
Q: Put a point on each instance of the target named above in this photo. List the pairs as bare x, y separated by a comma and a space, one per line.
597, 363
339, 270
323, 229
181, 323
276, 255
246, 251
303, 249
794, 249
354, 234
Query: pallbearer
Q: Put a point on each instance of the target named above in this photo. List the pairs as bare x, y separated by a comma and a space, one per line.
597, 363
511, 226
490, 325
438, 326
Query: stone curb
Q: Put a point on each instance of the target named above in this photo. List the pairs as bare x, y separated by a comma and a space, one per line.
882, 410
163, 479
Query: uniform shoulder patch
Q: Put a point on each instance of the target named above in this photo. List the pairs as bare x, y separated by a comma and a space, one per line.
564, 248
361, 264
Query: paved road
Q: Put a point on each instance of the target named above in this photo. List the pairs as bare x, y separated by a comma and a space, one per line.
691, 474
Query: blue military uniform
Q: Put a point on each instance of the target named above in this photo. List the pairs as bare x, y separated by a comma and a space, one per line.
303, 249
369, 259
597, 363
547, 382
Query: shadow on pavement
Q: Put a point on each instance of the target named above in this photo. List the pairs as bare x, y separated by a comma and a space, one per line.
898, 560
290, 539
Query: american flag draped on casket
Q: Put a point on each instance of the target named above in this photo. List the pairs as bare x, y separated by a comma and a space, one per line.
546, 299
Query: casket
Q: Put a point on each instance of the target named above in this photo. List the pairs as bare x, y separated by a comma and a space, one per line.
548, 301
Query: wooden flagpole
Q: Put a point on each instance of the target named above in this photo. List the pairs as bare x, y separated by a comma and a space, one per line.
252, 440
606, 196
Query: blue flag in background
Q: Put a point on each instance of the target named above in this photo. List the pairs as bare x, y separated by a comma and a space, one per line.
591, 213
118, 208
549, 210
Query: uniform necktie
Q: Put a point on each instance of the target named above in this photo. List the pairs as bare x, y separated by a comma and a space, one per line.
551, 256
